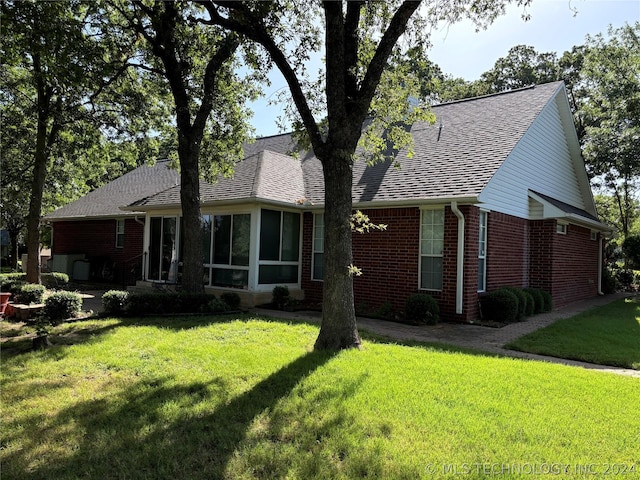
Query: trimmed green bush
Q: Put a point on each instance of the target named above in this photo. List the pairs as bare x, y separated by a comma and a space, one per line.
530, 303
60, 306
522, 301
217, 306
12, 282
609, 282
232, 299
54, 279
500, 306
538, 301
421, 309
30, 293
114, 302
280, 296
166, 303
547, 301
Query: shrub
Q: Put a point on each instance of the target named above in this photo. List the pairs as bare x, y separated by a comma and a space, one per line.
522, 300
54, 279
30, 293
280, 296
385, 311
422, 309
166, 302
538, 301
232, 299
12, 282
624, 278
62, 305
547, 301
500, 306
609, 282
631, 251
530, 303
216, 305
114, 302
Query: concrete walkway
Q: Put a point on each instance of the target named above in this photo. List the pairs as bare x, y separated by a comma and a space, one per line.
476, 337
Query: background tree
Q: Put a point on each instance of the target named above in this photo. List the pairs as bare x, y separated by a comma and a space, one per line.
195, 63
610, 113
359, 39
57, 69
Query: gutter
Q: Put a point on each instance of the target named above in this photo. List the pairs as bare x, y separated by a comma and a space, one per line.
600, 245
460, 258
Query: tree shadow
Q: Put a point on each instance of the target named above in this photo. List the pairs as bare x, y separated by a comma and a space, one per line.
128, 436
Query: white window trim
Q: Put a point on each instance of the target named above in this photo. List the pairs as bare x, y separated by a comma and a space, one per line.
420, 255
313, 242
298, 262
594, 235
120, 232
209, 265
486, 247
562, 228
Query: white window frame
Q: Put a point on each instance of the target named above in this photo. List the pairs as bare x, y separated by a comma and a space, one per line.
209, 266
315, 251
562, 228
296, 263
594, 235
482, 253
119, 232
431, 255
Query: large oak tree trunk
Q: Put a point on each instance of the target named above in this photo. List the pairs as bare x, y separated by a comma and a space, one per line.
338, 329
192, 263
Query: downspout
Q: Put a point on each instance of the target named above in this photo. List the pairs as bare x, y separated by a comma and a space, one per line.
601, 245
460, 258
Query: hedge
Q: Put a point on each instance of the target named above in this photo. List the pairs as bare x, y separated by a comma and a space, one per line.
500, 306
421, 309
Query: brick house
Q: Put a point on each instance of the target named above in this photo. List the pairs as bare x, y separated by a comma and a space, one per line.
495, 194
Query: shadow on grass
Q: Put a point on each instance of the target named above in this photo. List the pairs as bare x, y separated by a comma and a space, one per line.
128, 435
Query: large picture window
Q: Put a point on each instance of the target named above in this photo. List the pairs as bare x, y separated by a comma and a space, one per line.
482, 253
226, 250
279, 247
318, 247
163, 249
431, 248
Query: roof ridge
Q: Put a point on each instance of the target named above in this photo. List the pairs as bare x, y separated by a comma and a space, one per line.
496, 94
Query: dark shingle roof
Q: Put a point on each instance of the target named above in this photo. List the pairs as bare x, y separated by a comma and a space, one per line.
265, 175
453, 158
106, 200
566, 208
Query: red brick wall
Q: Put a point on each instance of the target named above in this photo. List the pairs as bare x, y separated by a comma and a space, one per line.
519, 253
507, 251
97, 238
575, 266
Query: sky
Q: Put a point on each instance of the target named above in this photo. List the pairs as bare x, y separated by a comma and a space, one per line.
554, 26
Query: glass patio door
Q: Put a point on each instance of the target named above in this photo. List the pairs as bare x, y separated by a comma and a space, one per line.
163, 249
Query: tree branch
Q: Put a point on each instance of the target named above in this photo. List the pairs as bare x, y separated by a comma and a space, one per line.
378, 63
253, 28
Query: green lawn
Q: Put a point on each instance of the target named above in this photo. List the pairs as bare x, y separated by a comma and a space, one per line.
608, 335
208, 398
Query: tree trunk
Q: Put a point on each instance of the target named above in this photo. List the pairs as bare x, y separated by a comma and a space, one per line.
192, 264
338, 330
13, 242
35, 203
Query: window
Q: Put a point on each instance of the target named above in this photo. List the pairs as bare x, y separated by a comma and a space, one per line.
163, 251
594, 235
279, 247
226, 250
561, 228
431, 247
318, 247
482, 253
120, 233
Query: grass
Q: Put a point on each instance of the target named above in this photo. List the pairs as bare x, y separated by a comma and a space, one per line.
607, 335
245, 397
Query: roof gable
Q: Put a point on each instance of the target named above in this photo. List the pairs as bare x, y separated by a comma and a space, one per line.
106, 200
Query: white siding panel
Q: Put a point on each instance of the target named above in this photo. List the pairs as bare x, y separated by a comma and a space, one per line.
541, 161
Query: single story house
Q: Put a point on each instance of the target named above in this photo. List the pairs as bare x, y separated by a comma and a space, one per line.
495, 194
